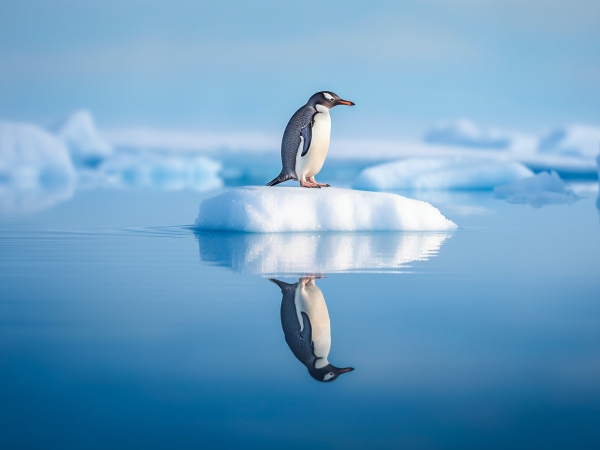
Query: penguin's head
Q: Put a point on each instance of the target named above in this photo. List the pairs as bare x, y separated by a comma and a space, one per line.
328, 99
328, 372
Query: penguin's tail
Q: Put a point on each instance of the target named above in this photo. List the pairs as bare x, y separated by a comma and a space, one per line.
281, 178
282, 284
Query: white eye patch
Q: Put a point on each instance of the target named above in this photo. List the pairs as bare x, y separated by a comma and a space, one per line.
328, 96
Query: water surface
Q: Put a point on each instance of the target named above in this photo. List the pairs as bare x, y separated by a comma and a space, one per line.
120, 327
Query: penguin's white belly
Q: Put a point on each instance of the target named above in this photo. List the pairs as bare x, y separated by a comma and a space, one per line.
309, 299
310, 164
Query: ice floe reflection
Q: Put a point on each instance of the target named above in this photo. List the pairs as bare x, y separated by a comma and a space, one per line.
277, 254
306, 326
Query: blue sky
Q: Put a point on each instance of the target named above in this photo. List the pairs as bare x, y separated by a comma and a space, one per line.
246, 66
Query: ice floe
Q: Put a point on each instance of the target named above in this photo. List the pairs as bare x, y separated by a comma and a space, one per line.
540, 190
87, 147
458, 173
294, 209
35, 169
574, 140
284, 254
155, 170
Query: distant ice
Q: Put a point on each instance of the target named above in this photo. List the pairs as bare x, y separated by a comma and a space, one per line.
294, 209
598, 199
35, 169
260, 151
193, 141
465, 133
87, 147
574, 140
286, 254
156, 170
540, 190
459, 173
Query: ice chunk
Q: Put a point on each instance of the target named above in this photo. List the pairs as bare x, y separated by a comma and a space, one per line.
294, 209
285, 254
465, 133
442, 173
574, 140
87, 147
35, 169
542, 189
165, 171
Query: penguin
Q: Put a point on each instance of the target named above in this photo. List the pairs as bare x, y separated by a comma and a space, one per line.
306, 140
305, 323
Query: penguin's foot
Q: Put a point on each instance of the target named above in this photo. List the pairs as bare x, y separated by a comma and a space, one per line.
308, 184
312, 180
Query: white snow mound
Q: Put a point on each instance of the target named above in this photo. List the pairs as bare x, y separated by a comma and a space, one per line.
284, 254
35, 169
293, 209
540, 190
459, 173
85, 144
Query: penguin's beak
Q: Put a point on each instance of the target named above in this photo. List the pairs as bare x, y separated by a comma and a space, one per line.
347, 369
346, 102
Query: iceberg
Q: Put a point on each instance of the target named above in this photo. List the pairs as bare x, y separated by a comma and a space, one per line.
170, 172
459, 173
35, 169
465, 133
287, 254
263, 209
574, 140
86, 146
540, 190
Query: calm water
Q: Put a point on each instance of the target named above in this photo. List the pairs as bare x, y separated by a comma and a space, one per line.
122, 328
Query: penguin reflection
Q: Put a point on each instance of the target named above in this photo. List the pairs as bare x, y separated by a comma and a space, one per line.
305, 323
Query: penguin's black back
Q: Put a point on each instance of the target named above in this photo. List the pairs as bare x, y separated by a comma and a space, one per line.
291, 138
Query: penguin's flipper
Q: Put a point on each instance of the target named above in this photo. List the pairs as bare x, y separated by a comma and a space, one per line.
306, 134
306, 333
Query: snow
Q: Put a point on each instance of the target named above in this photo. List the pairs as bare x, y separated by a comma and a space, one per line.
35, 169
87, 147
282, 254
573, 140
465, 133
294, 209
459, 173
156, 170
540, 190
